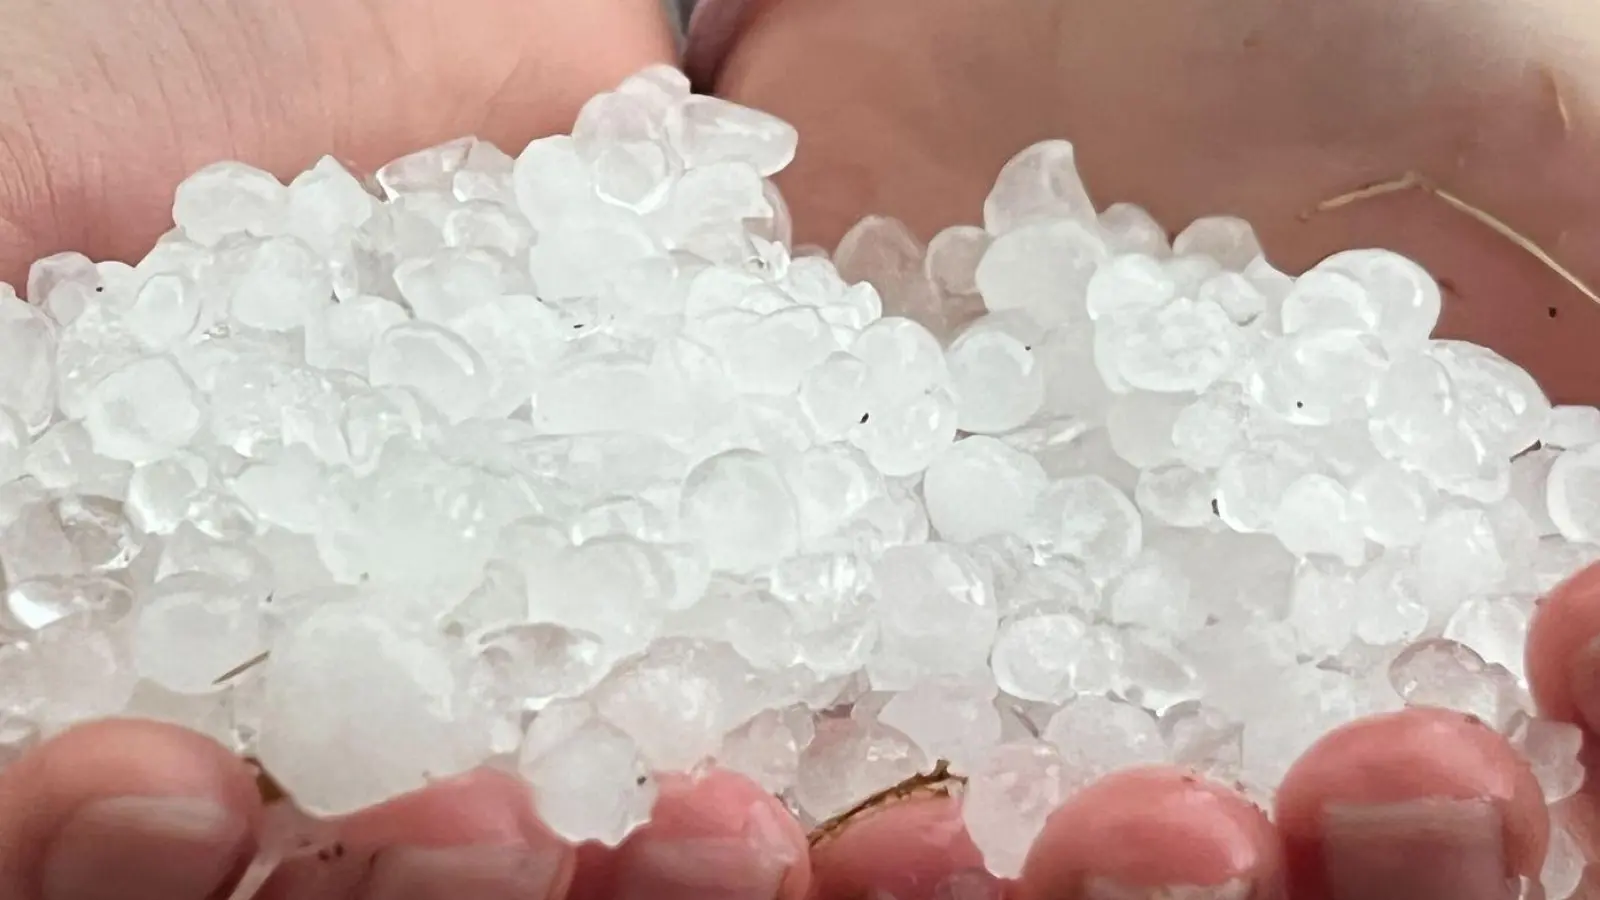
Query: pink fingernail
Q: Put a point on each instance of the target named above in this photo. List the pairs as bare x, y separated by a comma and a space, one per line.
751, 866
145, 848
698, 869
481, 873
1420, 850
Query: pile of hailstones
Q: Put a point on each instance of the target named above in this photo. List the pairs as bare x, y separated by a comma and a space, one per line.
572, 464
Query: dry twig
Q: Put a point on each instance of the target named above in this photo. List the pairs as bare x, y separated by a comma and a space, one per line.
1416, 181
938, 783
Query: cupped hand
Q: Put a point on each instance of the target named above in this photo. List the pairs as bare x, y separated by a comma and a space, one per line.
1264, 109
1257, 108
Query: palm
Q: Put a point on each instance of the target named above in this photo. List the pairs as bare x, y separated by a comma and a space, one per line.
1255, 108
113, 103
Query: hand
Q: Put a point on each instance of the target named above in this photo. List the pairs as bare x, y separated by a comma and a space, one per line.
1257, 108
109, 104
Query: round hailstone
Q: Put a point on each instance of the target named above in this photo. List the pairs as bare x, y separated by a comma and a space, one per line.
1564, 865
193, 629
1501, 403
1131, 229
1141, 427
1182, 347
1042, 269
229, 198
1323, 300
954, 720
164, 312
281, 284
998, 383
1573, 494
13, 445
1496, 628
1154, 593
589, 782
1407, 299
537, 664
850, 759
441, 367
979, 487
1314, 516
1391, 504
765, 750
711, 130
1039, 184
1129, 285
28, 369
1446, 675
1250, 488
936, 615
345, 677
1086, 518
1240, 297
143, 411
678, 699
1176, 495
738, 507
1229, 240
1007, 800
1551, 749
1570, 427
1041, 657
1096, 736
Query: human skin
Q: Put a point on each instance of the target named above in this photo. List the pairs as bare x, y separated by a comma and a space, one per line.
1249, 107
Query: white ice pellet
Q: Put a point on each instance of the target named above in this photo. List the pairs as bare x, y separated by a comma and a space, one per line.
143, 411
571, 463
1097, 735
1552, 749
980, 487
997, 381
1007, 800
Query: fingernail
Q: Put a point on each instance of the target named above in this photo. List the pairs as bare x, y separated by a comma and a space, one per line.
1586, 683
698, 869
145, 848
481, 873
1108, 889
1419, 850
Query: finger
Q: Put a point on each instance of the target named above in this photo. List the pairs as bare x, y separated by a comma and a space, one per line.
1144, 834
719, 837
125, 811
1416, 805
1563, 661
475, 836
914, 849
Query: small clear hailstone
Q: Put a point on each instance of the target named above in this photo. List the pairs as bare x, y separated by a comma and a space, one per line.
1097, 735
346, 677
1007, 800
739, 508
228, 199
589, 782
194, 629
979, 487
849, 760
997, 380
1552, 748
143, 411
1087, 519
